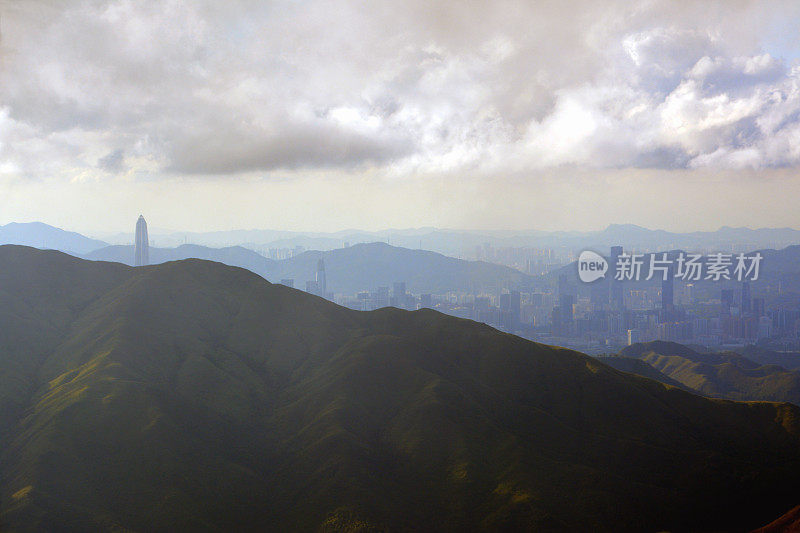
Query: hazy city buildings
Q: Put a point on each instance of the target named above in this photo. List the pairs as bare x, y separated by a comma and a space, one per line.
602, 316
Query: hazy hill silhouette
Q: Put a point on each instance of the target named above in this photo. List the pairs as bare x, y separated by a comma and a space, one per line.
349, 270
366, 266
42, 235
197, 396
232, 255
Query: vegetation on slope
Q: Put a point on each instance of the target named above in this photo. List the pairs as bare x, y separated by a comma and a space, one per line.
196, 396
720, 375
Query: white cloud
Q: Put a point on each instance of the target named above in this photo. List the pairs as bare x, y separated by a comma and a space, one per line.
146, 91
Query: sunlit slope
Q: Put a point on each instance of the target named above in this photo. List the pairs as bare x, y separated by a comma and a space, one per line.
196, 396
719, 375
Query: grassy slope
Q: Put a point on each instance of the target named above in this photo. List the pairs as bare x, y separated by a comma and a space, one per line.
195, 396
641, 368
721, 375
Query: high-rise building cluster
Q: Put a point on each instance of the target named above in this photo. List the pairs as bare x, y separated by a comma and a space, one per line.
601, 316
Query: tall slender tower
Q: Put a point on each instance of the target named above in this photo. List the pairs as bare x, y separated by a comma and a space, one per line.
322, 283
142, 251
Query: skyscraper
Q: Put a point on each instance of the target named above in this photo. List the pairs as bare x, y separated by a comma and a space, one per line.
399, 294
565, 303
726, 299
510, 309
598, 293
668, 313
668, 290
322, 284
615, 286
505, 312
564, 287
516, 308
142, 248
746, 299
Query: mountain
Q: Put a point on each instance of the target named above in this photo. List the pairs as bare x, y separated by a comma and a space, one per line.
718, 374
641, 368
367, 266
194, 396
463, 242
454, 243
233, 256
349, 270
41, 235
788, 360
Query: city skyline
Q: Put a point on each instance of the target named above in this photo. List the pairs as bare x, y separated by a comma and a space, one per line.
716, 300
306, 117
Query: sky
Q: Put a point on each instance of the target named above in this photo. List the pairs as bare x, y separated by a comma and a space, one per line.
321, 116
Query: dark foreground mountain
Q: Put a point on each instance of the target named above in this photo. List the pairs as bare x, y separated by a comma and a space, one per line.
349, 270
716, 374
787, 523
192, 396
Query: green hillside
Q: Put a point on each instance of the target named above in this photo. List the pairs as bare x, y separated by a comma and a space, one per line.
641, 368
193, 396
720, 375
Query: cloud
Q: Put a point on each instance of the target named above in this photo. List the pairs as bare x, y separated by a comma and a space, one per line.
400, 88
231, 147
113, 161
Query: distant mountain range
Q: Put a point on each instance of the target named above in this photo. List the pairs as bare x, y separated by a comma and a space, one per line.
233, 256
194, 396
348, 270
726, 375
370, 265
448, 242
460, 242
41, 235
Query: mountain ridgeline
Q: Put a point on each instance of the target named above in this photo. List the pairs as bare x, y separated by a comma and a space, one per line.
44, 236
715, 374
349, 270
194, 396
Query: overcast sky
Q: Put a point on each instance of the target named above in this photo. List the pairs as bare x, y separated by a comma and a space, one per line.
329, 115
